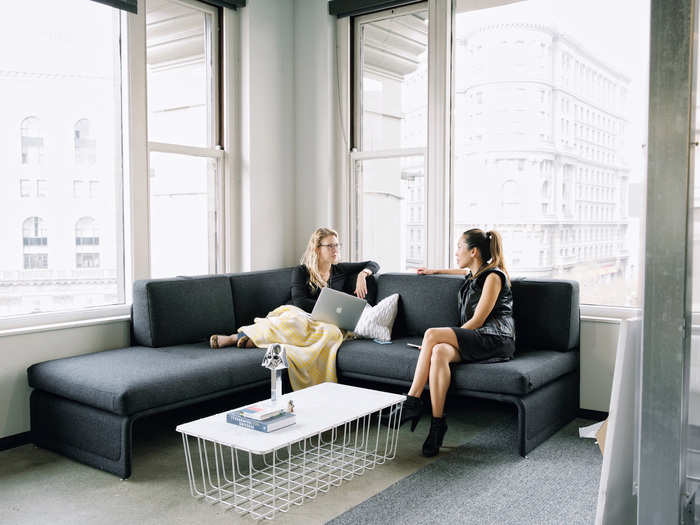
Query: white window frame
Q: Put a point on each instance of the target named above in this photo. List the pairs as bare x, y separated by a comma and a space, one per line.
215, 217
437, 216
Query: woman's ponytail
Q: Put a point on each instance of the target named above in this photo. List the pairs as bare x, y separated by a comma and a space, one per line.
496, 245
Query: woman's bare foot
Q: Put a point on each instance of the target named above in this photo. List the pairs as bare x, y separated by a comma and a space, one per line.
245, 342
221, 341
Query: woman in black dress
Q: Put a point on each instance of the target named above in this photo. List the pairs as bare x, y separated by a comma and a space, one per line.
487, 331
320, 266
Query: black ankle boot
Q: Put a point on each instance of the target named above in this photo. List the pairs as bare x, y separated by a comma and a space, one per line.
432, 444
412, 410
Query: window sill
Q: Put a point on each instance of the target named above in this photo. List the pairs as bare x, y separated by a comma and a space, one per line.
64, 320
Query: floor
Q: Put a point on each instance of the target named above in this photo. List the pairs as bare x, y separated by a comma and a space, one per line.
38, 486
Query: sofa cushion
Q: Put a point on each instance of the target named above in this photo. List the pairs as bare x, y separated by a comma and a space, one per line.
546, 314
180, 311
130, 380
521, 375
362, 357
255, 294
397, 362
426, 301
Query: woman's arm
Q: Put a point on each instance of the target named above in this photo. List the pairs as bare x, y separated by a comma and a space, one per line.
489, 295
356, 267
449, 271
301, 293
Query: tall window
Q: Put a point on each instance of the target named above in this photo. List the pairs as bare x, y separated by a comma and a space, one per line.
35, 244
32, 141
84, 143
56, 94
566, 96
391, 101
185, 160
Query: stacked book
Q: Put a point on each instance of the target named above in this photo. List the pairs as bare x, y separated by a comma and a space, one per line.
263, 417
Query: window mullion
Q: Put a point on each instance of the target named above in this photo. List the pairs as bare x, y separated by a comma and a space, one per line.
439, 110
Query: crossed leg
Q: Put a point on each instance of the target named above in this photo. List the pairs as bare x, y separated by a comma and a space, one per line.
438, 350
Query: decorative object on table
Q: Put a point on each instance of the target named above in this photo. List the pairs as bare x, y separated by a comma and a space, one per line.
377, 321
275, 360
270, 424
290, 407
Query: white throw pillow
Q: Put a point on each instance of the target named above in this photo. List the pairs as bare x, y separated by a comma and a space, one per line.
377, 321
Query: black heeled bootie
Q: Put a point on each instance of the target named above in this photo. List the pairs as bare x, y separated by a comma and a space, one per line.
412, 410
432, 444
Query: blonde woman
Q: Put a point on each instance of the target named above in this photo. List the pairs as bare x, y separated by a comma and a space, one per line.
486, 332
319, 267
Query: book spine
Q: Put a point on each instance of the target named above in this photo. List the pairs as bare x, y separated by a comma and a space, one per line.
247, 423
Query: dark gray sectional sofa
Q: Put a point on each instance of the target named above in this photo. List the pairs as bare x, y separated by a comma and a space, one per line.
85, 406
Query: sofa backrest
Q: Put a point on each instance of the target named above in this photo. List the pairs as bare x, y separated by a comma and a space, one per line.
546, 313
181, 310
425, 301
255, 294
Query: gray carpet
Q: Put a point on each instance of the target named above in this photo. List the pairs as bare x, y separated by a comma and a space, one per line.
484, 481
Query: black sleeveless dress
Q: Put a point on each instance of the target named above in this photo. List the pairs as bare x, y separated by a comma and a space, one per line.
495, 340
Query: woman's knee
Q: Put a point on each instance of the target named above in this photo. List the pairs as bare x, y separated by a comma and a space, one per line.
441, 353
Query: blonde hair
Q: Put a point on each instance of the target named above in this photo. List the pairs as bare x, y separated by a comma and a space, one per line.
310, 257
490, 247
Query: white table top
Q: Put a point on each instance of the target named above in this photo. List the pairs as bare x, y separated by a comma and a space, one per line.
318, 408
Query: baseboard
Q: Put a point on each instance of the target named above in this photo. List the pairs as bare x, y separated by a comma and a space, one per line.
592, 414
16, 440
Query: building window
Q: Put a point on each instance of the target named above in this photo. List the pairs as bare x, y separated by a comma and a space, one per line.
25, 188
83, 143
87, 260
35, 244
32, 141
86, 233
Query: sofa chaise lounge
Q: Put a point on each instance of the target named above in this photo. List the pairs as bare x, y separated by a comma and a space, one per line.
85, 406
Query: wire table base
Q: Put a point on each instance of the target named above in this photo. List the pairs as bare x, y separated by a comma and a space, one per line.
260, 485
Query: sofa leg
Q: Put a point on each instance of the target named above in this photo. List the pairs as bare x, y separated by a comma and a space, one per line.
545, 411
89, 435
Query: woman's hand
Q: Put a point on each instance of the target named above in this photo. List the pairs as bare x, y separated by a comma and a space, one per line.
425, 271
361, 285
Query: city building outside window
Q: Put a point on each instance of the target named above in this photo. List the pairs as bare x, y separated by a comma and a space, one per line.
56, 96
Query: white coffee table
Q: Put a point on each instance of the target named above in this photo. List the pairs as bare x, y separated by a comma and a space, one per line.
337, 435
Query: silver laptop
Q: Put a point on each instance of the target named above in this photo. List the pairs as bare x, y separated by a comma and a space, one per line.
338, 308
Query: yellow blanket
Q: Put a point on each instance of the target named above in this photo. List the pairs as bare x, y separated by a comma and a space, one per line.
311, 345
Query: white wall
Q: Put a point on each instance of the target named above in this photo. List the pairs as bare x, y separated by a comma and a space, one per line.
316, 110
20, 351
268, 130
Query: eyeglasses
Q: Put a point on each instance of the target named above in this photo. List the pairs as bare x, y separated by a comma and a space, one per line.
334, 246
